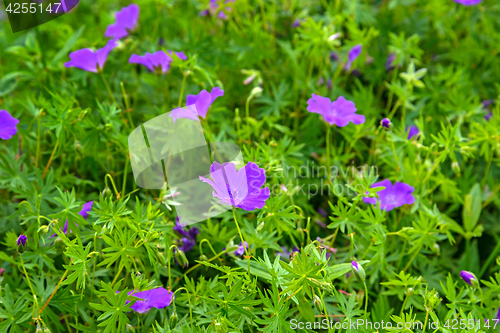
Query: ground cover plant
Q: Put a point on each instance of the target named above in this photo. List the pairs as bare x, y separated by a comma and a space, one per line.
366, 199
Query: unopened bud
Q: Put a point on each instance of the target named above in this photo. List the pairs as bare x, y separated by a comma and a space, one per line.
317, 303
107, 193
358, 271
456, 167
43, 229
172, 322
260, 227
436, 249
130, 328
409, 291
161, 259
180, 256
203, 258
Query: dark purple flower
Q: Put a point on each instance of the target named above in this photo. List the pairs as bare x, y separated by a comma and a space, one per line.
355, 265
239, 188
91, 61
412, 131
241, 250
498, 314
22, 240
126, 21
390, 60
392, 196
488, 116
158, 62
468, 2
340, 112
296, 23
199, 103
155, 298
386, 123
334, 56
322, 212
189, 239
87, 207
352, 55
469, 278
487, 103
7, 125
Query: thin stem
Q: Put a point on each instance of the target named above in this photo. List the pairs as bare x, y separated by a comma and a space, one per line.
107, 87
54, 292
190, 310
247, 113
26, 274
394, 151
403, 114
125, 176
182, 90
117, 274
50, 159
39, 140
490, 258
425, 321
328, 166
366, 299
93, 268
243, 241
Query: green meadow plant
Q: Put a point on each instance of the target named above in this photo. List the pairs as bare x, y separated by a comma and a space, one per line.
368, 200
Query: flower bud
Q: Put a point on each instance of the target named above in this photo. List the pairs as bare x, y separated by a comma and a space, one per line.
358, 271
130, 328
46, 330
260, 227
409, 291
173, 320
161, 259
21, 243
436, 249
59, 245
317, 303
43, 229
203, 258
107, 193
181, 258
469, 278
456, 167
386, 123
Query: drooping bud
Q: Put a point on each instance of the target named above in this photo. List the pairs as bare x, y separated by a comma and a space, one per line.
436, 249
260, 227
107, 193
21, 243
469, 278
180, 256
161, 259
203, 258
386, 123
358, 271
130, 328
172, 322
43, 229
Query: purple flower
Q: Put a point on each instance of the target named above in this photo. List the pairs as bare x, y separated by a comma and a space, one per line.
355, 265
392, 196
390, 60
240, 188
91, 61
241, 250
155, 298
358, 270
412, 131
126, 21
286, 254
322, 212
158, 62
296, 23
189, 239
181, 54
7, 125
201, 102
329, 84
352, 55
468, 2
386, 123
498, 314
87, 207
22, 240
217, 10
469, 278
334, 56
488, 116
340, 112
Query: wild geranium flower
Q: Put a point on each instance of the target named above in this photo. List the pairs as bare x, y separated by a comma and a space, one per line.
468, 2
158, 62
202, 102
89, 60
241, 249
339, 113
87, 207
126, 22
155, 298
189, 236
469, 278
412, 132
386, 122
239, 188
352, 55
181, 54
8, 125
392, 196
